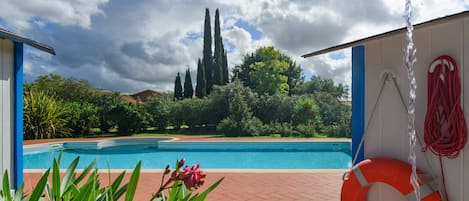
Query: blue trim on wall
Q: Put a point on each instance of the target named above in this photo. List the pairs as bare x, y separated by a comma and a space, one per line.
358, 99
18, 116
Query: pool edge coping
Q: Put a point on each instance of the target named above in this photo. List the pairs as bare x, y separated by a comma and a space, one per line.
267, 171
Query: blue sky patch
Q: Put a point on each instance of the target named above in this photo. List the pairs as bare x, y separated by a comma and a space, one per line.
337, 55
255, 34
193, 36
229, 46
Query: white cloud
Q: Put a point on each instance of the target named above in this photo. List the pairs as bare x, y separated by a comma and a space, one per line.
21, 13
134, 45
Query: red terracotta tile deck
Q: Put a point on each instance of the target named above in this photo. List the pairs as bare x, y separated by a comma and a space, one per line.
240, 186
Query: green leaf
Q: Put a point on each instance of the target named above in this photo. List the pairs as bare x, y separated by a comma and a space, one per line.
132, 187
174, 192
55, 181
85, 191
74, 191
59, 157
19, 193
37, 191
49, 192
117, 182
208, 190
68, 176
6, 187
120, 192
85, 172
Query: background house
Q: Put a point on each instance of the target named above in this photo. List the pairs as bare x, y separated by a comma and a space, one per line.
146, 94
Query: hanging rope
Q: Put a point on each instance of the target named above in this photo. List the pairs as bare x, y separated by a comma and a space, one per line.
445, 127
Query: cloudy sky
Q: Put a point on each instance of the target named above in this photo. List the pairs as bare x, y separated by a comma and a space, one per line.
129, 46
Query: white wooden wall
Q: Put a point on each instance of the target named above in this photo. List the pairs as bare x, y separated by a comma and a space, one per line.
387, 134
6, 106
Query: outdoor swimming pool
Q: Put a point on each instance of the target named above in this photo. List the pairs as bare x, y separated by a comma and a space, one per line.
157, 153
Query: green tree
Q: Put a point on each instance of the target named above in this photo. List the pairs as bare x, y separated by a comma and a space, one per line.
129, 118
306, 111
268, 71
240, 121
225, 67
218, 103
320, 85
177, 88
218, 53
207, 60
105, 103
159, 111
200, 86
188, 90
61, 88
242, 71
268, 77
192, 112
294, 74
81, 117
274, 108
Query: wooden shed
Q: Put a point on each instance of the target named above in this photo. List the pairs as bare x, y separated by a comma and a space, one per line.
386, 135
11, 102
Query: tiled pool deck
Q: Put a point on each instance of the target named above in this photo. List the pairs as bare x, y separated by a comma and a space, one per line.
307, 185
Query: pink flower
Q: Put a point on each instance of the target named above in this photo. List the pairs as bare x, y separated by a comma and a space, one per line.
193, 178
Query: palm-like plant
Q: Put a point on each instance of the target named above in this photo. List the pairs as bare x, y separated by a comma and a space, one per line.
43, 116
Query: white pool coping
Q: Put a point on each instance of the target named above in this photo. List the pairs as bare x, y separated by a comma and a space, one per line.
316, 171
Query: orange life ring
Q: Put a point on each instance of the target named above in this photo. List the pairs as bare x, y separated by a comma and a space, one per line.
390, 171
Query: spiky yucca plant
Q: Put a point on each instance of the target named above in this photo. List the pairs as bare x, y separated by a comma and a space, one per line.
43, 116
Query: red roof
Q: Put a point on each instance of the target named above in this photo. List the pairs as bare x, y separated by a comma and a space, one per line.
146, 94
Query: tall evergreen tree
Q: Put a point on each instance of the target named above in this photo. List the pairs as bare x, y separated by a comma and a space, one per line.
207, 53
177, 88
201, 84
225, 66
218, 53
188, 89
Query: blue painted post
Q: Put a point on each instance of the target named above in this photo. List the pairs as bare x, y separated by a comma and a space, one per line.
18, 116
358, 99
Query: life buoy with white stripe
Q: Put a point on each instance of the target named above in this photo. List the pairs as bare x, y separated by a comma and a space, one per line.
389, 171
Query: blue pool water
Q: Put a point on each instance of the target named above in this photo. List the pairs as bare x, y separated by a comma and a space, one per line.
156, 154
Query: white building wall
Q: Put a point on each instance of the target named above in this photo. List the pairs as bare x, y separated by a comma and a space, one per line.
6, 105
387, 134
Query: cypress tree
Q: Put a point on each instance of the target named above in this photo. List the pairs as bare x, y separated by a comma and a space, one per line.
207, 53
225, 66
188, 90
177, 88
200, 86
218, 53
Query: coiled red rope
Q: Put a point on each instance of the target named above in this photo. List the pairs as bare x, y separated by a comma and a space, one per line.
445, 126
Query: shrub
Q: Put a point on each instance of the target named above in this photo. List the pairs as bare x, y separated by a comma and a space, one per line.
284, 129
129, 118
306, 130
274, 108
253, 127
245, 127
